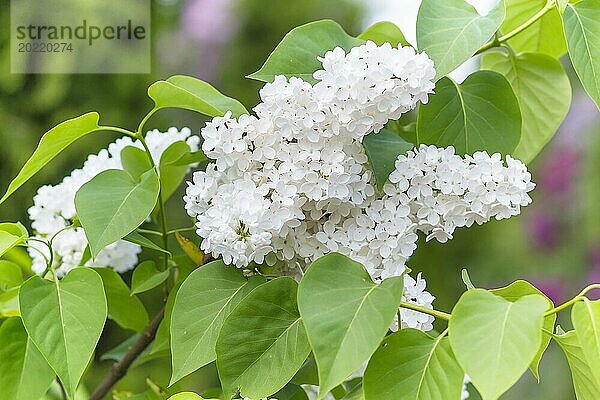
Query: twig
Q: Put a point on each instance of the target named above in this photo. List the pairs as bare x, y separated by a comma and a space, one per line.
119, 369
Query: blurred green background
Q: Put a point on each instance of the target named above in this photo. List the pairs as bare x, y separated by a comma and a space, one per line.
555, 243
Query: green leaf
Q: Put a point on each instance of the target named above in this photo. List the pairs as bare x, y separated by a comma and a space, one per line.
51, 144
291, 392
185, 396
356, 393
495, 340
135, 161
262, 342
586, 321
9, 303
162, 340
296, 55
117, 353
143, 241
112, 205
193, 94
65, 319
146, 276
383, 148
171, 175
191, 158
202, 303
346, 315
384, 32
584, 380
451, 31
482, 113
126, 310
562, 5
544, 36
8, 241
208, 93
544, 93
411, 365
10, 275
14, 228
583, 36
24, 373
514, 292
307, 374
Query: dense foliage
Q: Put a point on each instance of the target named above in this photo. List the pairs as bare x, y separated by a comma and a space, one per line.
307, 212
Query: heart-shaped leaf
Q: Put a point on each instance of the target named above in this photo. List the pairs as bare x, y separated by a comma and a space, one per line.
543, 36
24, 373
65, 319
384, 32
495, 340
135, 161
544, 93
514, 292
451, 31
482, 113
203, 301
411, 365
346, 315
51, 144
112, 205
296, 54
262, 342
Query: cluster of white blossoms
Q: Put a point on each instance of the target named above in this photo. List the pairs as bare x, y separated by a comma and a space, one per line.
293, 182
54, 208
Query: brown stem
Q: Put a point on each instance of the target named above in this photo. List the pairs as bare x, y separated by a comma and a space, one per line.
119, 369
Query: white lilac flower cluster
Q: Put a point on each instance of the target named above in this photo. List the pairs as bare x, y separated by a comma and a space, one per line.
54, 208
293, 182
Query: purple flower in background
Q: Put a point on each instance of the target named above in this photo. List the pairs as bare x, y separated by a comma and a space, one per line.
553, 287
208, 21
544, 230
559, 171
195, 48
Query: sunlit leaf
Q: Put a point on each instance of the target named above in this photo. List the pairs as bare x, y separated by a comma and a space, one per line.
263, 341
482, 113
384, 32
65, 319
296, 54
583, 36
24, 373
451, 31
112, 205
495, 340
345, 314
51, 144
544, 93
